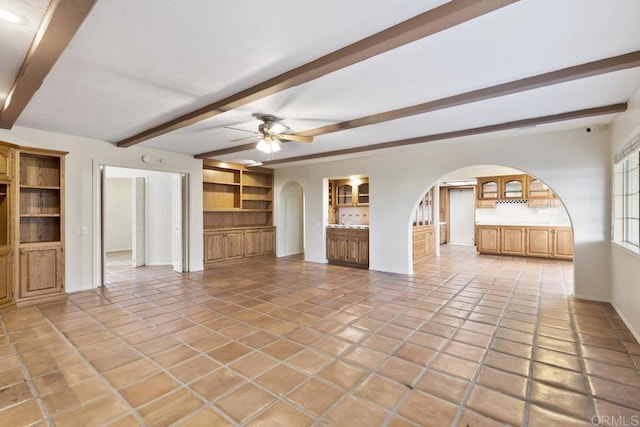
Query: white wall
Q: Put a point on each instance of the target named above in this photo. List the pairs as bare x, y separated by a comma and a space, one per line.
625, 263
117, 212
574, 163
85, 155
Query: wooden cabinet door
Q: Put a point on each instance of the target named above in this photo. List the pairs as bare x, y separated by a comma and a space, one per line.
512, 241
6, 276
430, 242
538, 242
332, 248
6, 163
488, 239
234, 245
252, 243
363, 251
344, 194
363, 194
513, 187
213, 247
443, 234
419, 245
488, 188
41, 271
563, 243
268, 241
352, 250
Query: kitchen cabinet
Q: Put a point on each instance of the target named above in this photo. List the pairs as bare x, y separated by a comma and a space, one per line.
533, 241
563, 243
539, 243
537, 189
488, 239
41, 270
507, 187
424, 241
227, 245
348, 247
348, 193
512, 240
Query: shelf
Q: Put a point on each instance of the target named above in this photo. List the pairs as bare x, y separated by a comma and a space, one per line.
257, 186
235, 184
224, 210
39, 187
256, 198
39, 215
256, 210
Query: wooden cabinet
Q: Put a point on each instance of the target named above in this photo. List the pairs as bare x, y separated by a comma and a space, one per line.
563, 243
40, 224
539, 243
488, 239
227, 245
41, 271
424, 241
488, 188
533, 241
349, 193
6, 275
501, 188
537, 189
348, 246
512, 240
237, 202
7, 153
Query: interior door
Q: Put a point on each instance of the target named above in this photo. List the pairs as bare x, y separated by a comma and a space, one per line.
176, 223
138, 220
461, 216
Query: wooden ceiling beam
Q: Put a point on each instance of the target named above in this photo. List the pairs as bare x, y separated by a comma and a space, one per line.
433, 21
589, 69
579, 114
58, 26
223, 151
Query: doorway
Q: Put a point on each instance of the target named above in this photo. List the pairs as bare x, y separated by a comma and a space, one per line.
142, 220
291, 222
461, 216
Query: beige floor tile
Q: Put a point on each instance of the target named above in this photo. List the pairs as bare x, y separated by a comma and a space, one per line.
194, 368
170, 408
541, 417
344, 375
309, 361
173, 356
471, 418
131, 372
245, 402
381, 390
496, 405
97, 412
254, 364
355, 412
150, 388
567, 402
22, 414
427, 410
315, 396
281, 379
559, 377
229, 352
206, 417
454, 366
282, 414
216, 384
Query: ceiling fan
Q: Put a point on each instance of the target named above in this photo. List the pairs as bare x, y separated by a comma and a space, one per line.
271, 134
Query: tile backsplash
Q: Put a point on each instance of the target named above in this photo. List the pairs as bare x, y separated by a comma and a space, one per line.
517, 212
353, 216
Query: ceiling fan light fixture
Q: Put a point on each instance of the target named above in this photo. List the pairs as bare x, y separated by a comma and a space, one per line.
268, 145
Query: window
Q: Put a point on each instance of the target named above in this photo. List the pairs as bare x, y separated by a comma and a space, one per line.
627, 200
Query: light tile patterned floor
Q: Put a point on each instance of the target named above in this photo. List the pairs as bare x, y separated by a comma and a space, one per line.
467, 340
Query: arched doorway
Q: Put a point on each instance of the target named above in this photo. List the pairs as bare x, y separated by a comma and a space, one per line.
291, 220
507, 212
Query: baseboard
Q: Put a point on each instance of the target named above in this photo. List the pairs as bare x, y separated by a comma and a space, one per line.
635, 334
592, 298
290, 254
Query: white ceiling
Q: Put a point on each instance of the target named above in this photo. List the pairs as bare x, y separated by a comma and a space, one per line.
133, 65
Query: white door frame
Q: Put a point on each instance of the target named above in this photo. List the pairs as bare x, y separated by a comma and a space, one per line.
99, 214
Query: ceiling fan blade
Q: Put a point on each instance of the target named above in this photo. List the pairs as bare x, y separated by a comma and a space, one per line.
243, 130
242, 139
297, 138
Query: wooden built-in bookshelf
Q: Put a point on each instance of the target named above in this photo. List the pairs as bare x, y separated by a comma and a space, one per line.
237, 201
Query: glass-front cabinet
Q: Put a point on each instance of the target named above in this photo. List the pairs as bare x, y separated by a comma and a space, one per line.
344, 193
537, 189
350, 192
488, 188
363, 194
513, 187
